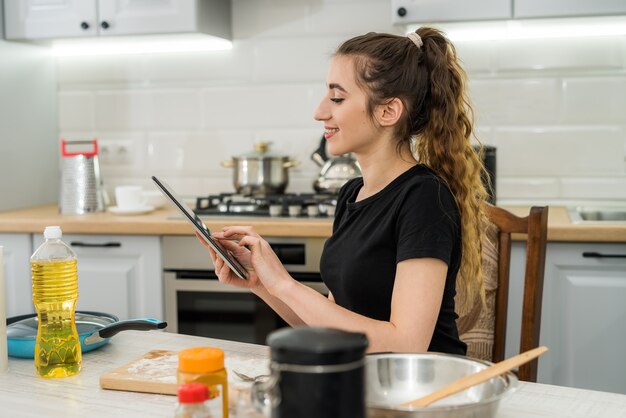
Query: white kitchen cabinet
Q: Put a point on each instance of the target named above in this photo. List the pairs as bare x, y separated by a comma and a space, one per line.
523, 9
409, 11
415, 11
40, 19
44, 19
18, 284
118, 274
583, 315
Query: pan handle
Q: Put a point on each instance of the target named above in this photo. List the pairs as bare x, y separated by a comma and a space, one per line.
143, 324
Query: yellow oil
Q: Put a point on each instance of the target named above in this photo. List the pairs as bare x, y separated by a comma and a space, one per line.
55, 292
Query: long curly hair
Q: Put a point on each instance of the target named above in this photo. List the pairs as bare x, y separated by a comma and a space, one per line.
437, 123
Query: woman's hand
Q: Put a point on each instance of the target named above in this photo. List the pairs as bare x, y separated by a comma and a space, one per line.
257, 256
223, 272
253, 253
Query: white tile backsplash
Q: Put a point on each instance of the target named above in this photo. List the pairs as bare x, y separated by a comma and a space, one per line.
262, 106
513, 188
508, 101
555, 109
598, 100
586, 188
123, 109
588, 54
176, 109
274, 63
76, 110
559, 151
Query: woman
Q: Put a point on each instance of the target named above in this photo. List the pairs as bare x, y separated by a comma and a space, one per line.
407, 231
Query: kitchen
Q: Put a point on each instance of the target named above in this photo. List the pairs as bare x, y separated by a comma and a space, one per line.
557, 121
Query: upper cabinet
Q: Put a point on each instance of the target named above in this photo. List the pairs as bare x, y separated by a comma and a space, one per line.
43, 19
409, 11
413, 11
557, 8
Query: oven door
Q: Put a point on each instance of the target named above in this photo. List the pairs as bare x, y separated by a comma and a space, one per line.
196, 303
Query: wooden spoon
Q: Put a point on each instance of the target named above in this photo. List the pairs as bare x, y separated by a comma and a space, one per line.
476, 378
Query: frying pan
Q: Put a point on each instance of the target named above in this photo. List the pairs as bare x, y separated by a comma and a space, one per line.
94, 330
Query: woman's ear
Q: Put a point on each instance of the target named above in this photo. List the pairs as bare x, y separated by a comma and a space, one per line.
389, 113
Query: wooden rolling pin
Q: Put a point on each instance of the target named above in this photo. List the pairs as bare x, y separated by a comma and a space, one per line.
477, 378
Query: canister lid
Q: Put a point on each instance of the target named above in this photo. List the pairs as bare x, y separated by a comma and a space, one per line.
200, 360
316, 346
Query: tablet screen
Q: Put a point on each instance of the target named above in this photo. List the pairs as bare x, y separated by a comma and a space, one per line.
197, 223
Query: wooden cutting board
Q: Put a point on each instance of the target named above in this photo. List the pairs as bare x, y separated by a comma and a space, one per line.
154, 372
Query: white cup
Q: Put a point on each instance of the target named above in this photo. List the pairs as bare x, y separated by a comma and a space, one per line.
129, 197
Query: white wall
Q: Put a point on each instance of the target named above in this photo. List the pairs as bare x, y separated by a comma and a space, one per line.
556, 109
29, 147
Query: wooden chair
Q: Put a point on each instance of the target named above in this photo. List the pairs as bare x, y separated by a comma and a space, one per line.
535, 227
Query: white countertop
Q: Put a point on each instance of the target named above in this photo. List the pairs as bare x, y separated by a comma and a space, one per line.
25, 395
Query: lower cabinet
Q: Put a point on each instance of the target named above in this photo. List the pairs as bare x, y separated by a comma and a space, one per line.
17, 249
118, 274
583, 314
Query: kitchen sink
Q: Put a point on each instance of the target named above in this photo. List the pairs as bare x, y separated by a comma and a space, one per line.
594, 214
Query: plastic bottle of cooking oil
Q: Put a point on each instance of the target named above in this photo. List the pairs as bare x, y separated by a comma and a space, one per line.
55, 292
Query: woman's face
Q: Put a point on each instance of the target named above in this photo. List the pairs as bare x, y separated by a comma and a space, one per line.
347, 124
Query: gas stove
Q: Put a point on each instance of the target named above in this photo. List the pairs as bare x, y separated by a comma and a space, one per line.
312, 205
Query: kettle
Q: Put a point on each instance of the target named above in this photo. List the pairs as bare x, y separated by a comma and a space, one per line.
335, 171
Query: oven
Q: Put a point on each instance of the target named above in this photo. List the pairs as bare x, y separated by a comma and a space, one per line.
196, 303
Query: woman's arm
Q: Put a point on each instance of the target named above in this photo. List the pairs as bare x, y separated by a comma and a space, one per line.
415, 306
226, 276
281, 308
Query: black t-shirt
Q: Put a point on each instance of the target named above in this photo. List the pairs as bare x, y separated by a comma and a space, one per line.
415, 216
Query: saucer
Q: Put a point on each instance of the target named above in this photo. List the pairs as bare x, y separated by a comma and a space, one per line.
131, 211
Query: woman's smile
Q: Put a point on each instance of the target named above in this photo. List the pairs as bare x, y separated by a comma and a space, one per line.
330, 132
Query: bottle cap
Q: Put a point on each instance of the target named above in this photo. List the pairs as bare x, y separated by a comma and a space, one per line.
192, 393
200, 360
52, 232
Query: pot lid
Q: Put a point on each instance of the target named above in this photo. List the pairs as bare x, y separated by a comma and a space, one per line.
261, 150
316, 346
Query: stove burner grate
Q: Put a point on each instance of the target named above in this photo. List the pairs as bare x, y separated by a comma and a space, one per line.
290, 204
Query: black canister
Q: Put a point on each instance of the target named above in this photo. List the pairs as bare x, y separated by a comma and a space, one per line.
488, 158
319, 372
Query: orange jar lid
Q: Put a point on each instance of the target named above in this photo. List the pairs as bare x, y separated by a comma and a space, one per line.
200, 360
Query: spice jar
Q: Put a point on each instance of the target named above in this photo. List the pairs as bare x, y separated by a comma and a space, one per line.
191, 401
206, 365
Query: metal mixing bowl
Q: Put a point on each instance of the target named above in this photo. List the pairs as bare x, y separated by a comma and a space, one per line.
392, 379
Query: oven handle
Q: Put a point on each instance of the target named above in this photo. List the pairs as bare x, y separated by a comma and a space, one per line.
194, 285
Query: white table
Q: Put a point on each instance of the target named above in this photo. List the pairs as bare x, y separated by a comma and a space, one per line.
22, 394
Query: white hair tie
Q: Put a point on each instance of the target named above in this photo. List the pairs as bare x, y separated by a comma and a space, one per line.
417, 40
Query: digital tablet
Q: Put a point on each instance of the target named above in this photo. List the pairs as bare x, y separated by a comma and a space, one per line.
199, 226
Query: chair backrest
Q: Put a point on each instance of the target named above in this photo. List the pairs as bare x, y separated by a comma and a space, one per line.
535, 227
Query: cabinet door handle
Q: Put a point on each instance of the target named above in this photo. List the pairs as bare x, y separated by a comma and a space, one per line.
102, 245
84, 25
592, 254
104, 24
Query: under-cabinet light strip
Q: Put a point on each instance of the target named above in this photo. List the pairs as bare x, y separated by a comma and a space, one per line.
532, 29
131, 46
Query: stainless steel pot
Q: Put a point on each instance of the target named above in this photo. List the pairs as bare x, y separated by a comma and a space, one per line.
259, 172
335, 172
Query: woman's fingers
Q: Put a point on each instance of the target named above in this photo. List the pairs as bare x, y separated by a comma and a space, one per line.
253, 243
238, 232
201, 239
